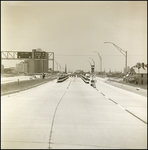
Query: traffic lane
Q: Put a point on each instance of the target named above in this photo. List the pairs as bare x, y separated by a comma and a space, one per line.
130, 88
133, 102
86, 119
21, 78
13, 79
134, 89
26, 117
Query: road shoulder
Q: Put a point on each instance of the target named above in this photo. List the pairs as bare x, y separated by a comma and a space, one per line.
134, 88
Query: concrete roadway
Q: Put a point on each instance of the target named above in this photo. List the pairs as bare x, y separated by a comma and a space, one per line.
73, 115
13, 79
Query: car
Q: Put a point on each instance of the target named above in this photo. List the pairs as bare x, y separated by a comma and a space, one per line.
87, 75
93, 83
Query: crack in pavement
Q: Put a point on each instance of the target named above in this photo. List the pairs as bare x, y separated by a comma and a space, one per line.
51, 130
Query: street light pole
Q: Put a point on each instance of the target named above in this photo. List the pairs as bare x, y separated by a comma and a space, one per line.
60, 67
89, 62
100, 61
123, 52
57, 65
92, 60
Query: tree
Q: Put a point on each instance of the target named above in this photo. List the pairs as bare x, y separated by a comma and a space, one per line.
144, 65
138, 65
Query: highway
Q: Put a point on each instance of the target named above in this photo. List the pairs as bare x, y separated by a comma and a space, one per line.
16, 78
74, 115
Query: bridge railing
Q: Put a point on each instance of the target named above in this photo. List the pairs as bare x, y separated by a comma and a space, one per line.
62, 78
84, 78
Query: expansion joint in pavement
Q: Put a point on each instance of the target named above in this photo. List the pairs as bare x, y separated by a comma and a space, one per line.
52, 124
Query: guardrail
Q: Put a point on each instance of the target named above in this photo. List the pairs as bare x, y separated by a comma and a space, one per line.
84, 78
62, 78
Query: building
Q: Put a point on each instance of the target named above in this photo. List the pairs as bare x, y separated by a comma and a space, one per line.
142, 75
37, 64
22, 67
137, 75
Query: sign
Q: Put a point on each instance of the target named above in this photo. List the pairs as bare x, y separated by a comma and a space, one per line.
39, 55
92, 68
24, 55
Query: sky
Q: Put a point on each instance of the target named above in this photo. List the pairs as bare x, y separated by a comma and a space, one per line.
73, 30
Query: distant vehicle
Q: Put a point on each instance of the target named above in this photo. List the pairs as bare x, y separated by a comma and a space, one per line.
87, 75
93, 83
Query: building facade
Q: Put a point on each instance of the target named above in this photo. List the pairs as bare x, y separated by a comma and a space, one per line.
21, 67
142, 75
37, 65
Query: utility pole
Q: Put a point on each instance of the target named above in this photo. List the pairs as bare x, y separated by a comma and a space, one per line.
92, 60
89, 62
100, 61
123, 52
57, 65
60, 67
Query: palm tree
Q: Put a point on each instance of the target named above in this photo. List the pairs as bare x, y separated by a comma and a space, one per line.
138, 65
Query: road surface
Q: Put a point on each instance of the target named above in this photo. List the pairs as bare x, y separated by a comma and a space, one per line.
74, 115
16, 78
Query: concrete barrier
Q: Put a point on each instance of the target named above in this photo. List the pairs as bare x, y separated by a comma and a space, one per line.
84, 78
62, 78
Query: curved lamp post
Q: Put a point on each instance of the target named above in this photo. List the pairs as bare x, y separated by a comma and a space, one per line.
62, 68
123, 52
100, 61
89, 62
92, 60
